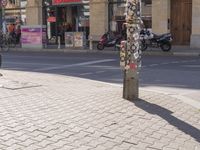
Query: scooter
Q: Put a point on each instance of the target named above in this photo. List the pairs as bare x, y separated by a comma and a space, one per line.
149, 39
108, 41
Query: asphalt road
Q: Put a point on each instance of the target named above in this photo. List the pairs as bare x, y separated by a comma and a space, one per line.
177, 76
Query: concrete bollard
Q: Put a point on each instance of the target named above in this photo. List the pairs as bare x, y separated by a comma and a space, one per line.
59, 42
91, 43
0, 60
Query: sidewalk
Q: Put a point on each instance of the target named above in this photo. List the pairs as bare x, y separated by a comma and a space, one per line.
48, 112
176, 51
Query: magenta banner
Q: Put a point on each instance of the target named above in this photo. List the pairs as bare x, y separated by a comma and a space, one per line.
31, 36
57, 2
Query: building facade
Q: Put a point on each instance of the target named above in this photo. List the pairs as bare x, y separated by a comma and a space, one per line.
180, 17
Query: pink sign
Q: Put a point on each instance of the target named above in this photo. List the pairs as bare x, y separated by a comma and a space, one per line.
31, 36
56, 2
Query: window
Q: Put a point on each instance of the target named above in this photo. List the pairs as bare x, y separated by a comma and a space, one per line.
147, 2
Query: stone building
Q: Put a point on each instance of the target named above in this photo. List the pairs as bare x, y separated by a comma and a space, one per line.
180, 17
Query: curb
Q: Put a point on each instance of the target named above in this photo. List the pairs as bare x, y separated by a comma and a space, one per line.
184, 99
186, 54
63, 50
146, 53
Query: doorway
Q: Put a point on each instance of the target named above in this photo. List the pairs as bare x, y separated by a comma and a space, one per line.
181, 21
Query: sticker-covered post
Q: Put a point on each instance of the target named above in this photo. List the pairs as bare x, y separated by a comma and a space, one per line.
131, 50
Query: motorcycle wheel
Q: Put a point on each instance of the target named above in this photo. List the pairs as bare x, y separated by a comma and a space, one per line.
166, 47
100, 46
143, 46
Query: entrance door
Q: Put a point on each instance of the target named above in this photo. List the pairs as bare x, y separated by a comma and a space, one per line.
181, 21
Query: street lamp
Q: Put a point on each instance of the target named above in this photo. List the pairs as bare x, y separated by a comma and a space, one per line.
130, 51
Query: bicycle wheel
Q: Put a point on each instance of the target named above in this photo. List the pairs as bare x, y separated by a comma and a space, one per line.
5, 46
12, 42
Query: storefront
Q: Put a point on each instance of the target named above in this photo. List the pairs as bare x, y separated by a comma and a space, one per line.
116, 15
15, 11
61, 16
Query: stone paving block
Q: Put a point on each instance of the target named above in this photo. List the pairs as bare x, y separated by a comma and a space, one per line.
168, 148
5, 133
56, 138
141, 145
174, 145
126, 135
157, 135
111, 135
157, 145
44, 143
65, 134
39, 138
10, 142
23, 137
50, 147
166, 140
18, 133
95, 143
149, 131
15, 147
99, 147
132, 140
83, 147
124, 145
60, 143
50, 134
109, 144
27, 142
31, 147
149, 140
31, 129
6, 137
141, 135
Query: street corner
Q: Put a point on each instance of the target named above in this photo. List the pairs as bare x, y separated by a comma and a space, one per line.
93, 115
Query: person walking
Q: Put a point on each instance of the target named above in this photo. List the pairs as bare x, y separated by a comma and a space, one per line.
11, 29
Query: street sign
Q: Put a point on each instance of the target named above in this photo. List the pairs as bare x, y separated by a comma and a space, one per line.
3, 3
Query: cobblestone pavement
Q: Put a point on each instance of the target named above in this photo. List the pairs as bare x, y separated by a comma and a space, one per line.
47, 112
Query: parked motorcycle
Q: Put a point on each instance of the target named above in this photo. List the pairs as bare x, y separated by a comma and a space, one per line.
149, 39
108, 40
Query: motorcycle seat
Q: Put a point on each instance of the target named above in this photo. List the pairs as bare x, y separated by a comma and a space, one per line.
158, 36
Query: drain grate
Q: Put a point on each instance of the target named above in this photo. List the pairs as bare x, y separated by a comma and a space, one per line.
16, 85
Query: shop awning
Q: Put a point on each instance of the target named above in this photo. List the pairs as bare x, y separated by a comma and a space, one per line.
60, 2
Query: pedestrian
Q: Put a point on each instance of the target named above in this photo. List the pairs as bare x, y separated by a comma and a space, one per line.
113, 25
18, 33
11, 29
4, 28
124, 31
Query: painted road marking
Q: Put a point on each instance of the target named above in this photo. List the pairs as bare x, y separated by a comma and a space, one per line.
88, 73
153, 65
28, 63
75, 65
99, 72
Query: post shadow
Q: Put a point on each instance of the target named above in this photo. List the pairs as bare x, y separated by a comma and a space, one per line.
167, 115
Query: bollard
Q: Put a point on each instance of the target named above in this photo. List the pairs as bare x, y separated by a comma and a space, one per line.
59, 42
0, 60
91, 43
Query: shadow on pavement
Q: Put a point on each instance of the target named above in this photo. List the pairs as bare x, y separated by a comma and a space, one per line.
167, 115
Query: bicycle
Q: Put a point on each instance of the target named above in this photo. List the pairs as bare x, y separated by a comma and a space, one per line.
12, 40
4, 45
